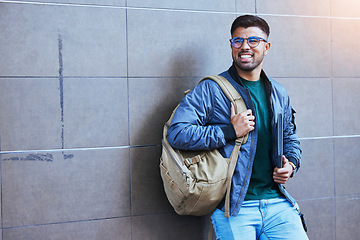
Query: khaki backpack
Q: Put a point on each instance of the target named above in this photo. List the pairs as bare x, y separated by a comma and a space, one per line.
195, 182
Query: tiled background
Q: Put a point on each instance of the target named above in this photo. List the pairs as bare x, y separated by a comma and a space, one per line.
86, 86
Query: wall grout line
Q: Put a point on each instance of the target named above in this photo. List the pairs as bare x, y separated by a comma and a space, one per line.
79, 149
329, 137
165, 77
175, 10
145, 146
161, 213
65, 222
333, 197
1, 195
333, 118
128, 122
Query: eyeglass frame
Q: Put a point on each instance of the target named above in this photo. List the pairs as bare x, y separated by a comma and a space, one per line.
247, 40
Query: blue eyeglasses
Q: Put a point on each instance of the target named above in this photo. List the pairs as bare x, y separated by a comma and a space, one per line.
253, 42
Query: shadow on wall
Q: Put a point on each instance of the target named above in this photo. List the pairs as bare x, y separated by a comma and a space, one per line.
188, 61
161, 95
160, 98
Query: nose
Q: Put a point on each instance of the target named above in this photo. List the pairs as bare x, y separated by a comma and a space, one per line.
245, 45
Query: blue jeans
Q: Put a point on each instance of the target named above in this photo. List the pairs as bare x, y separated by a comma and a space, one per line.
260, 220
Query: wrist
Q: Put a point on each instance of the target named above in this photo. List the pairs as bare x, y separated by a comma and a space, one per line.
229, 132
293, 168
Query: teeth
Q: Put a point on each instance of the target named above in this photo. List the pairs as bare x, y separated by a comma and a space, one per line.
245, 56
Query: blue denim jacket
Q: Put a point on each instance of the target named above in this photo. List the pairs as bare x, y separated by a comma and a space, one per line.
205, 110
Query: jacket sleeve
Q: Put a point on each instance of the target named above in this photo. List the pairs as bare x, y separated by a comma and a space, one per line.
192, 127
292, 150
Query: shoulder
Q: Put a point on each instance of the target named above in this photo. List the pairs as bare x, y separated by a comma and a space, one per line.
210, 89
278, 87
206, 87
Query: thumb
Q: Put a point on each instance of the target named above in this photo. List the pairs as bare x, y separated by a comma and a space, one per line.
284, 160
232, 110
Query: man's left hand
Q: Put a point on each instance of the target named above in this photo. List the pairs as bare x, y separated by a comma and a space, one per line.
282, 175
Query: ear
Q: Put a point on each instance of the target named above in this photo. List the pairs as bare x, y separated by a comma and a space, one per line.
267, 47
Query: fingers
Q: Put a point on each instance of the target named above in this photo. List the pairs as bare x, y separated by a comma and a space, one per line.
248, 112
282, 175
247, 116
242, 122
280, 180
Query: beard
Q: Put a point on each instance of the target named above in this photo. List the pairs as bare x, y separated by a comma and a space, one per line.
248, 66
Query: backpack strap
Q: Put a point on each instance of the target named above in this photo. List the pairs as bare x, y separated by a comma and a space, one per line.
230, 92
233, 95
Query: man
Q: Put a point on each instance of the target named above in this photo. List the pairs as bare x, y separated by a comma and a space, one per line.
260, 207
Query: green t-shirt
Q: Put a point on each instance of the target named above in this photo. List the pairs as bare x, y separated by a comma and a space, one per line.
261, 185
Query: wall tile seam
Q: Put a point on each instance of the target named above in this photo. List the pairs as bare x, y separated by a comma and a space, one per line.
343, 197
64, 77
334, 208
1, 195
88, 220
77, 149
163, 77
175, 10
329, 137
128, 115
349, 197
65, 222
333, 131
142, 146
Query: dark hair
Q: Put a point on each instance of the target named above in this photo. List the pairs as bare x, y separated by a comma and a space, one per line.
246, 21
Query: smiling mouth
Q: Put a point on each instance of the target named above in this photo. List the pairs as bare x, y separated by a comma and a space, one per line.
245, 56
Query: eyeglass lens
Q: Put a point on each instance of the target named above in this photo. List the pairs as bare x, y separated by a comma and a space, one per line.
251, 41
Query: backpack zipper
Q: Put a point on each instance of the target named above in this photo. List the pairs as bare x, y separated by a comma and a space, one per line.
247, 173
250, 157
175, 158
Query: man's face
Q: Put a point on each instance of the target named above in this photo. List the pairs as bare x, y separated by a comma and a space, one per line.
246, 58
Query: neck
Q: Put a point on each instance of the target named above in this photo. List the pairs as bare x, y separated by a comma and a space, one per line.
253, 75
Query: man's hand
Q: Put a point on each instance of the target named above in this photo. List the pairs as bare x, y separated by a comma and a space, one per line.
242, 122
282, 175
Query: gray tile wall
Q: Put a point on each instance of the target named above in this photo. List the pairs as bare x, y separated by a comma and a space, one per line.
86, 86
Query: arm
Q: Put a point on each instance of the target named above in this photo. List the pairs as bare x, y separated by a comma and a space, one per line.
292, 150
193, 127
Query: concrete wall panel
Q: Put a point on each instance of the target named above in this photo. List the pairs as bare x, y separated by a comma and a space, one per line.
86, 87
148, 112
345, 47
32, 47
312, 99
307, 7
95, 112
296, 49
30, 113
163, 44
308, 182
346, 102
106, 229
53, 187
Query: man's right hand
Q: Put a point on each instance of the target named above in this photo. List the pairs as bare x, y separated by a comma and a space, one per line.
242, 122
